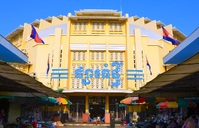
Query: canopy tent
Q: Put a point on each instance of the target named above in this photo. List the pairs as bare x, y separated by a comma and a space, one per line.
180, 81
183, 79
129, 100
182, 103
10, 53
40, 101
63, 101
167, 105
16, 83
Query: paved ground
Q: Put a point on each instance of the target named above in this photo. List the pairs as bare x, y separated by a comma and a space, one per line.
93, 127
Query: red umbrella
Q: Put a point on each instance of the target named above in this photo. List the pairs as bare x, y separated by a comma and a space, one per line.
161, 105
141, 100
167, 105
129, 100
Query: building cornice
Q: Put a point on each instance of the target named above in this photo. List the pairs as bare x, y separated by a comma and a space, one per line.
97, 91
98, 18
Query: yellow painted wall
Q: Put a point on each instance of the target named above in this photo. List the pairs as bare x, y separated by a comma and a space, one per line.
155, 50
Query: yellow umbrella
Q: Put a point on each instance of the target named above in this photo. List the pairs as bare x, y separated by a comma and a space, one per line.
63, 100
172, 105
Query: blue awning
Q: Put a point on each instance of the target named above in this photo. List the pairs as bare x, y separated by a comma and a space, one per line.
9, 53
188, 48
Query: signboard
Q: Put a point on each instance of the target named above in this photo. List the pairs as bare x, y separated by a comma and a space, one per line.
87, 74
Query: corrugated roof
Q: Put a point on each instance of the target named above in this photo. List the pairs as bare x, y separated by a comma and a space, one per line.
16, 83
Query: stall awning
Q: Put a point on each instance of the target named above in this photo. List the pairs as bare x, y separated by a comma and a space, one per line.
10, 53
185, 50
16, 83
181, 81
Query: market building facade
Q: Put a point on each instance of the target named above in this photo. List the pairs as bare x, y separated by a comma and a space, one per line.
96, 56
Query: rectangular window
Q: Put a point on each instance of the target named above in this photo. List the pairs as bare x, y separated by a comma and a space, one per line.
134, 60
115, 28
98, 26
80, 27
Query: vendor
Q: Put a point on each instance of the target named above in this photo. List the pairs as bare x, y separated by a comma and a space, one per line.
135, 117
2, 117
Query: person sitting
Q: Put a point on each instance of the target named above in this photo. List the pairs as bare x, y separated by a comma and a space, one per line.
135, 117
103, 119
90, 119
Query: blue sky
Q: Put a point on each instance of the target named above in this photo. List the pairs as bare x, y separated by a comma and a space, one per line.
182, 14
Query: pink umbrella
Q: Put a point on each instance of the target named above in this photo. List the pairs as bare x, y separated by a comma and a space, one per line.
129, 100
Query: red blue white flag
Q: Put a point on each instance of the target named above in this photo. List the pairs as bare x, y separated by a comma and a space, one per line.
168, 37
34, 35
147, 63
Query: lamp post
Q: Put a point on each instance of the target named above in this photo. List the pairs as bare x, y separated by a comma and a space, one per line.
116, 106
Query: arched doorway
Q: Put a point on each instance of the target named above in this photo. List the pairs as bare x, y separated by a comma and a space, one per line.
97, 106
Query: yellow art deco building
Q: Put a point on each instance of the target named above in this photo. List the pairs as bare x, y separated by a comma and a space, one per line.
96, 56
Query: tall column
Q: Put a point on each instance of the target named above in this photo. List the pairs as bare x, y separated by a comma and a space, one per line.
107, 104
116, 107
77, 114
129, 58
86, 105
56, 54
138, 52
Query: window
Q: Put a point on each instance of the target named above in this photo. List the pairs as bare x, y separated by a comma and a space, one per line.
134, 59
80, 26
79, 55
115, 26
98, 26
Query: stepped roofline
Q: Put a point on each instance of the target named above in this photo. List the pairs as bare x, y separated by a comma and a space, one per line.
95, 14
98, 12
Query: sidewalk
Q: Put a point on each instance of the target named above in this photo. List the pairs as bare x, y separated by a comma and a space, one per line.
93, 127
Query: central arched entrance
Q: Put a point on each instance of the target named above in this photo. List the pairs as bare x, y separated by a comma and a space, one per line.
96, 106
96, 111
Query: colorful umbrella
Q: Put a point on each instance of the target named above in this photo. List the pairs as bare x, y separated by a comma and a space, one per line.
161, 105
167, 105
63, 101
49, 99
150, 99
172, 105
129, 100
192, 104
122, 105
160, 99
141, 100
170, 99
182, 103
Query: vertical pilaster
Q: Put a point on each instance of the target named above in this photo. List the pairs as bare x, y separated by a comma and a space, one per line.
138, 51
107, 104
87, 104
57, 45
107, 61
67, 54
129, 56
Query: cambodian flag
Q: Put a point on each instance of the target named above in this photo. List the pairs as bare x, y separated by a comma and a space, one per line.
147, 63
48, 66
168, 37
35, 36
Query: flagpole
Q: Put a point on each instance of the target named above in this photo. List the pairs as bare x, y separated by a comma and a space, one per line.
48, 67
146, 70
